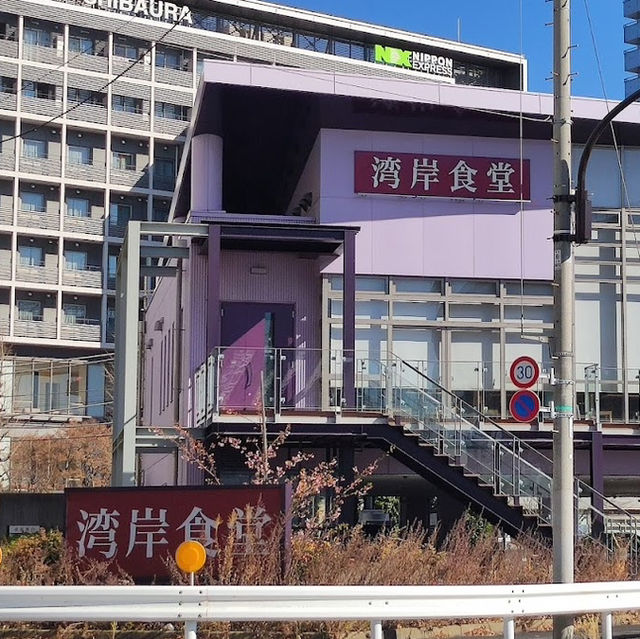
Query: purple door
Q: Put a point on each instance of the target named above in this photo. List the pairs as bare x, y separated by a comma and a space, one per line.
250, 334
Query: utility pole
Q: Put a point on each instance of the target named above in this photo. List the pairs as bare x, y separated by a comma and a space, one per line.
563, 268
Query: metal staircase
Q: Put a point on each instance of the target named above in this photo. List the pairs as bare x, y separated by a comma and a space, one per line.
404, 411
485, 453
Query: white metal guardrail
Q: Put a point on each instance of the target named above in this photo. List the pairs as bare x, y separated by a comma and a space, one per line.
375, 604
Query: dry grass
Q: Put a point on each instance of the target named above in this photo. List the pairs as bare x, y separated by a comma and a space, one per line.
472, 553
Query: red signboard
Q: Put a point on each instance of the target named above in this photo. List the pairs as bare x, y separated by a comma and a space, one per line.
138, 528
451, 176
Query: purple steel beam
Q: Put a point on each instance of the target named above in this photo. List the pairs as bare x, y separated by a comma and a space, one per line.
349, 320
213, 288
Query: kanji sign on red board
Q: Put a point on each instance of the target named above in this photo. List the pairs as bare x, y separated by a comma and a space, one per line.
139, 528
451, 176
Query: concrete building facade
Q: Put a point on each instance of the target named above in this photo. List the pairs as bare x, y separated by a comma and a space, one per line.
95, 100
383, 268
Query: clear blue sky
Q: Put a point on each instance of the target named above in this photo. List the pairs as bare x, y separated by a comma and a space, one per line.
496, 24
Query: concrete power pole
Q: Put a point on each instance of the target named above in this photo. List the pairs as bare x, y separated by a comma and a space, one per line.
563, 267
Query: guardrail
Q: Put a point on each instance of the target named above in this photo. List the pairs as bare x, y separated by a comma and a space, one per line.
375, 604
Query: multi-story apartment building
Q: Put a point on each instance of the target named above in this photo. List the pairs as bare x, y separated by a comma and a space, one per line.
632, 36
95, 98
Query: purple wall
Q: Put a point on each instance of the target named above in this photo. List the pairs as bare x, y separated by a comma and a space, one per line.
160, 337
288, 280
436, 236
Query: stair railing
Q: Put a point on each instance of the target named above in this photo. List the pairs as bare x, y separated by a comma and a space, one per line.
517, 469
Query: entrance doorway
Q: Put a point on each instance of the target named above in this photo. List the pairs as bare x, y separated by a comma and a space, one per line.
250, 334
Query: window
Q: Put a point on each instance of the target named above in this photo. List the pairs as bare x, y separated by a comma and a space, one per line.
74, 313
34, 149
30, 255
85, 96
38, 37
77, 207
75, 260
119, 214
127, 104
171, 111
82, 44
169, 59
79, 155
123, 161
112, 266
126, 50
41, 90
32, 202
164, 168
7, 85
30, 310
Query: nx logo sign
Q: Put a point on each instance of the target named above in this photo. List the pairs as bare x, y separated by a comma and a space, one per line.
415, 60
157, 9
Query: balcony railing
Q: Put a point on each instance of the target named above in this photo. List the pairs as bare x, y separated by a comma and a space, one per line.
131, 178
41, 106
118, 229
176, 77
8, 48
80, 329
7, 161
36, 53
5, 266
90, 277
88, 113
130, 120
39, 273
88, 172
6, 215
41, 166
34, 328
87, 225
4, 326
39, 220
8, 100
97, 63
139, 71
172, 127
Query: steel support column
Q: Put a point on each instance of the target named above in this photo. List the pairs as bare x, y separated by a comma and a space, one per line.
349, 320
125, 418
213, 288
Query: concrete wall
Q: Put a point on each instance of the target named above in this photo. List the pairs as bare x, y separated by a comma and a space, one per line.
44, 510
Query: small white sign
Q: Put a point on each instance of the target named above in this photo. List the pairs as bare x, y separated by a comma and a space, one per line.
23, 530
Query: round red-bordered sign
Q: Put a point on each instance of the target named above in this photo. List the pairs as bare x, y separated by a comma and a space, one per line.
524, 372
524, 406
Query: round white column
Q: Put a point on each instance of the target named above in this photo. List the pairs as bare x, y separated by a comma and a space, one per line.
206, 172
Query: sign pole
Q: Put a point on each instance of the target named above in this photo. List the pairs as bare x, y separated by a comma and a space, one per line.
563, 266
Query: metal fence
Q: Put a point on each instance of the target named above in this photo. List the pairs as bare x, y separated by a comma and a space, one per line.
372, 604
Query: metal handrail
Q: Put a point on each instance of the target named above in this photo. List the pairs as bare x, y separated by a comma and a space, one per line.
526, 446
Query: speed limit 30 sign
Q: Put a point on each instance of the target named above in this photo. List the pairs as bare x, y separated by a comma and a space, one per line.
524, 372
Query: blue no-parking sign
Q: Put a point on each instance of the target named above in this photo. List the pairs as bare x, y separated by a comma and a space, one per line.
524, 406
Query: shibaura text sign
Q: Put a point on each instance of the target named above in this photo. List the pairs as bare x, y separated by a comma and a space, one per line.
451, 176
137, 529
